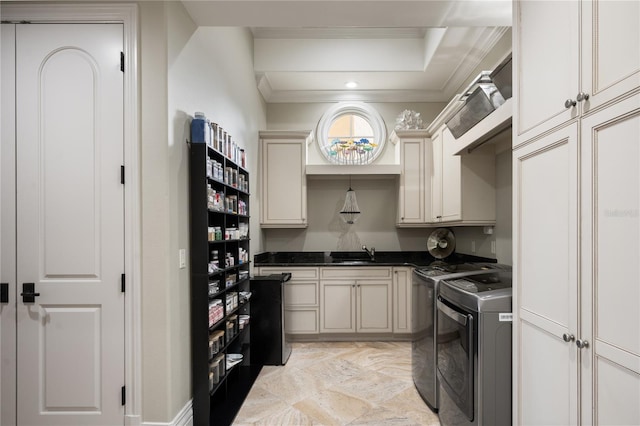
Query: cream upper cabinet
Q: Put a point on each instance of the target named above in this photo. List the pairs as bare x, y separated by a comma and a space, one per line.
572, 57
402, 304
610, 50
462, 186
356, 300
438, 186
412, 194
576, 224
283, 187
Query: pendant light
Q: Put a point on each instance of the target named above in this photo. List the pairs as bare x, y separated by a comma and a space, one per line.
350, 210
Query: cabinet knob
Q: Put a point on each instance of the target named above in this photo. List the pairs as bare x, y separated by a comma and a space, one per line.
569, 103
568, 337
582, 97
582, 343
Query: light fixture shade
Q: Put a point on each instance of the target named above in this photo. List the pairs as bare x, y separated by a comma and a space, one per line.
350, 210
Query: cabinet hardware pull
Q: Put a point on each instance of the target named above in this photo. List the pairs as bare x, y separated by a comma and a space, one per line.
582, 97
582, 343
569, 103
568, 337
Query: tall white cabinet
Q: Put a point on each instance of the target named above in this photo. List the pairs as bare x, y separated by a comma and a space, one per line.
576, 212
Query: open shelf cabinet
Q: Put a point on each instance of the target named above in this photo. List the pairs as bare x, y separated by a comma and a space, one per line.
220, 308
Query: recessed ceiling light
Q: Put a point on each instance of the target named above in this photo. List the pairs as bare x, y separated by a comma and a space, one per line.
351, 84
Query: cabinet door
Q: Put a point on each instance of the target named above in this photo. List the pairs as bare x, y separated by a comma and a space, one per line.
436, 177
301, 321
411, 200
610, 56
545, 290
610, 284
546, 58
283, 197
374, 306
402, 300
337, 306
451, 180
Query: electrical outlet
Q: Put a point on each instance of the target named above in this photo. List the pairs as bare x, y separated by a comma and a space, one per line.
182, 255
473, 246
493, 246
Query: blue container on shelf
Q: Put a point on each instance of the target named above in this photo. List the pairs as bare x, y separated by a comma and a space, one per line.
199, 128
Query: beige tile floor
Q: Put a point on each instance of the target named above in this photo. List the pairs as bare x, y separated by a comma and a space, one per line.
338, 383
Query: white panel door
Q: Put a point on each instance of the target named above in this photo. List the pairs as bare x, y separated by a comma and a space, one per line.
546, 53
337, 307
436, 177
451, 180
7, 228
70, 245
611, 268
610, 56
411, 204
545, 181
283, 202
374, 307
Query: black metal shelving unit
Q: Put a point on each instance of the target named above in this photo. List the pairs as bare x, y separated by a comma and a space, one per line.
218, 397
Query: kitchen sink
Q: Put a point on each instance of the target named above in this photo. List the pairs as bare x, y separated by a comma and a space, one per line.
350, 258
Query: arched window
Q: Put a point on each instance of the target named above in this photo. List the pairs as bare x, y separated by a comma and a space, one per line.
351, 133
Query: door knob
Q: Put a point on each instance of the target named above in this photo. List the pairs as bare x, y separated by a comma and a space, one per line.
569, 103
28, 293
582, 343
568, 337
582, 97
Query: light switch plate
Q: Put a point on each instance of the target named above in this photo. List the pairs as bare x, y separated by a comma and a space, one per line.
182, 254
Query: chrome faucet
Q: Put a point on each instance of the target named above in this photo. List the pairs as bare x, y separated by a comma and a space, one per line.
371, 253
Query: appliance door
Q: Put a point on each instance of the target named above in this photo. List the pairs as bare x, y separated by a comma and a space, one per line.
455, 349
423, 350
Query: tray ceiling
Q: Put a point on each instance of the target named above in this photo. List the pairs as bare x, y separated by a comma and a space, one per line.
409, 51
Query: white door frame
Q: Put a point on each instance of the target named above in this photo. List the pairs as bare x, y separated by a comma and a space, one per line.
127, 14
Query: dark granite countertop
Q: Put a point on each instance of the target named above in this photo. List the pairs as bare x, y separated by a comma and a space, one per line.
359, 258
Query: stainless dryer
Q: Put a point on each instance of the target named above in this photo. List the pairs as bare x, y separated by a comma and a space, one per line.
474, 350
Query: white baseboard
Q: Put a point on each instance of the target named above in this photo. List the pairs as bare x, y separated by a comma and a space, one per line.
183, 418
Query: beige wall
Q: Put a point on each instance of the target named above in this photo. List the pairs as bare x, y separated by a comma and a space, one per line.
183, 69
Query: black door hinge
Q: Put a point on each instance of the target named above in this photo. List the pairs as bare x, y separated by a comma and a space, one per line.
123, 283
4, 293
123, 393
122, 175
122, 61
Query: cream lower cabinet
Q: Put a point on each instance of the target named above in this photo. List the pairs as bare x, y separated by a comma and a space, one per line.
301, 308
402, 303
283, 187
356, 300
